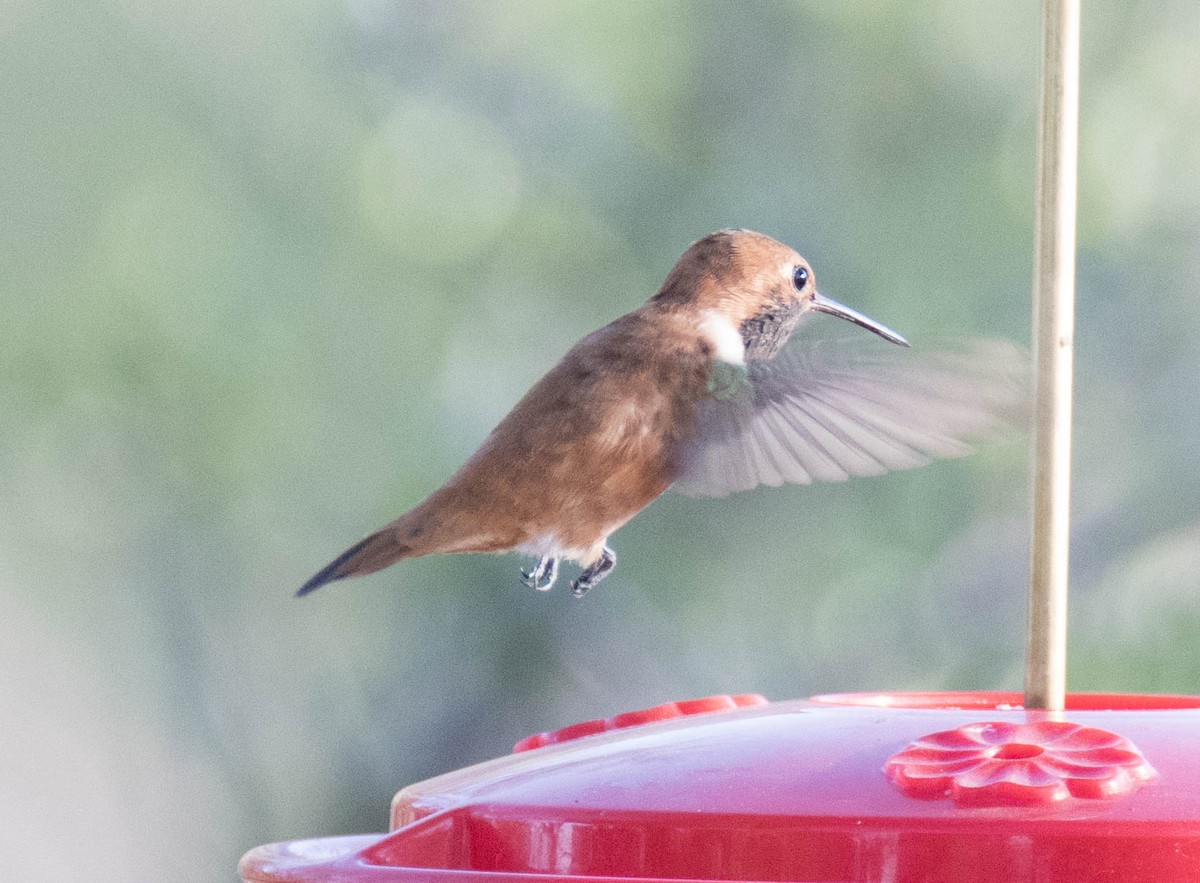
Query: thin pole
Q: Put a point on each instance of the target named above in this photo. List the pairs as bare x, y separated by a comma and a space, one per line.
1053, 341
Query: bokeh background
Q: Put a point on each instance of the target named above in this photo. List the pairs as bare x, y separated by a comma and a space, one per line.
270, 271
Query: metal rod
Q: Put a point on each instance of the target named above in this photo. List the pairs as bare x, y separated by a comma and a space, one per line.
1053, 342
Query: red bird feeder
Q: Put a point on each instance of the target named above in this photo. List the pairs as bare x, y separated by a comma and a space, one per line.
920, 786
857, 787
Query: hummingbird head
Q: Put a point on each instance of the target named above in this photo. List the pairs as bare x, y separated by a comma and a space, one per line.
743, 282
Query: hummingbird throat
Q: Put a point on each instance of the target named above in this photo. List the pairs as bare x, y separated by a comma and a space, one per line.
765, 333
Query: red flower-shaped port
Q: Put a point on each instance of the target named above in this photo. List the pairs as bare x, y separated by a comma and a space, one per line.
1004, 764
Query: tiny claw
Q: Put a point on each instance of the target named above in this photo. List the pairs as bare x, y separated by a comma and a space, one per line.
542, 575
594, 574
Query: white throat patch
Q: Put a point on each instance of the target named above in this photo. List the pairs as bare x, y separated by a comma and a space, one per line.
725, 338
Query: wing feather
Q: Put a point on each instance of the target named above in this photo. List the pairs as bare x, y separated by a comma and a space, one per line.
827, 410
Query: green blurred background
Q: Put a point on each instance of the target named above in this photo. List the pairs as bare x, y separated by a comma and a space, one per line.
270, 271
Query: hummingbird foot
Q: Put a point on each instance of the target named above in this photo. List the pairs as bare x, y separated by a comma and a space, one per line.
542, 575
595, 573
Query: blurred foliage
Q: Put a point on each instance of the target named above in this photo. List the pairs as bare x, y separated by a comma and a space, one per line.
269, 272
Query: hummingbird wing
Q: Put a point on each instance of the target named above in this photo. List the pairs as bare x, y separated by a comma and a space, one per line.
829, 409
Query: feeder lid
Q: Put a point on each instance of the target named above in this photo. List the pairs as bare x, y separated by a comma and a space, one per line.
947, 786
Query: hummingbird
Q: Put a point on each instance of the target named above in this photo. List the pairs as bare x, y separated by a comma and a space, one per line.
705, 388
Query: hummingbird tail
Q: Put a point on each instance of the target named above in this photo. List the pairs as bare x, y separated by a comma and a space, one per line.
374, 553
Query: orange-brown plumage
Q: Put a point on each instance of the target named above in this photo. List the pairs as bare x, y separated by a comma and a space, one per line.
614, 423
588, 447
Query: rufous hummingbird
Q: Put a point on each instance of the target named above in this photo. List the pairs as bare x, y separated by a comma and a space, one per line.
702, 387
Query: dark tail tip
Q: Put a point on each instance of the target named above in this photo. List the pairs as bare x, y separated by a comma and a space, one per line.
335, 570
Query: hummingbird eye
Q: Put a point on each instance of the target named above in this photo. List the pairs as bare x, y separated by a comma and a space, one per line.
800, 277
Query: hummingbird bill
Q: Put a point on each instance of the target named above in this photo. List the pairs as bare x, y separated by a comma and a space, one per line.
706, 388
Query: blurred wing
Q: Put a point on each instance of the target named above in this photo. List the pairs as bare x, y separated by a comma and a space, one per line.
826, 410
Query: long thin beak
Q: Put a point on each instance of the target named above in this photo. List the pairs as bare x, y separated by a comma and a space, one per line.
833, 308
